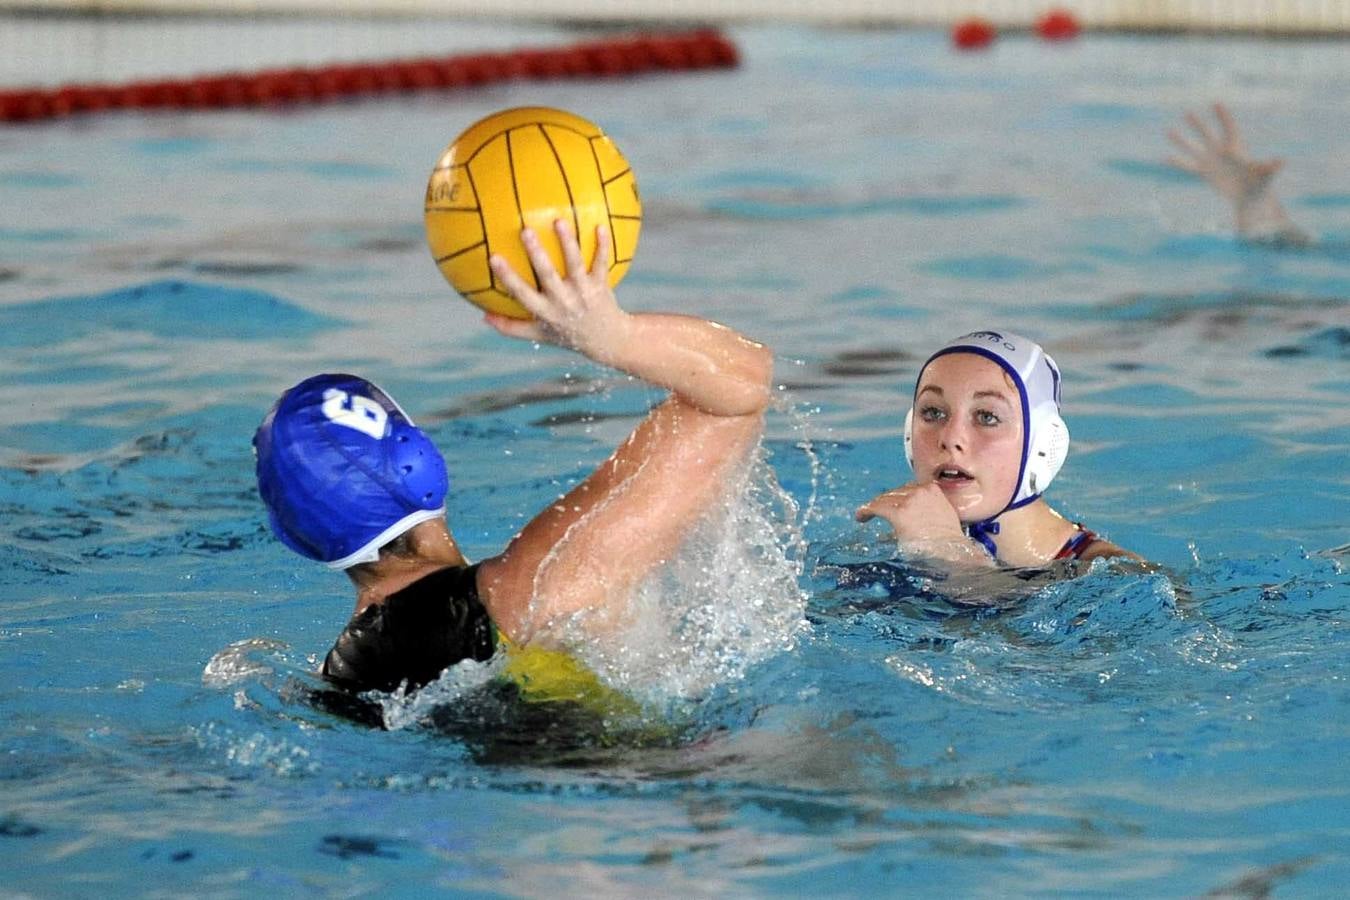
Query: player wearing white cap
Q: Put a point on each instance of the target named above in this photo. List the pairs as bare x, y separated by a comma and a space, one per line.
985, 439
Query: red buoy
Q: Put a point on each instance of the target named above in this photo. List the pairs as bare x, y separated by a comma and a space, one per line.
1058, 25
973, 34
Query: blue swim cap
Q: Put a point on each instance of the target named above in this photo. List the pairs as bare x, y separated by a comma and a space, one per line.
343, 470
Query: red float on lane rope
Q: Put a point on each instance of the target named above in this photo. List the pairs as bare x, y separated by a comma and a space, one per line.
1058, 25
973, 34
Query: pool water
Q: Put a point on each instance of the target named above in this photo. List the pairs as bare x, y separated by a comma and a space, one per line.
855, 198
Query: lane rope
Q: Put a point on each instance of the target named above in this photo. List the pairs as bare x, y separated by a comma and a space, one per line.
289, 87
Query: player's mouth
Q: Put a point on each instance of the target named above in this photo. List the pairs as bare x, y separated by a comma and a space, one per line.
952, 477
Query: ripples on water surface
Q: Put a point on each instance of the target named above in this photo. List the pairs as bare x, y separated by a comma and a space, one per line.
853, 197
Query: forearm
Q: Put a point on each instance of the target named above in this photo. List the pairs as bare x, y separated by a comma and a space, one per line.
586, 552
1263, 218
960, 552
710, 366
1223, 161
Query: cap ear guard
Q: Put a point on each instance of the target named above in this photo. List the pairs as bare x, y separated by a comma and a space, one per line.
1045, 456
909, 437
418, 465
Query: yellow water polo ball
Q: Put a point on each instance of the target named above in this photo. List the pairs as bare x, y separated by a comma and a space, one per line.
527, 167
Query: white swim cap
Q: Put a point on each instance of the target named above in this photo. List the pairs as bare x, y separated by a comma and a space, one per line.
1045, 437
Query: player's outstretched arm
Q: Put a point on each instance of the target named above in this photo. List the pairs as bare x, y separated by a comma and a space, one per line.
578, 561
1222, 160
706, 364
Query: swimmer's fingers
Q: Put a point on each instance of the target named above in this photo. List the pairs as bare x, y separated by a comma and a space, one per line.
586, 281
589, 288
1232, 138
1207, 137
520, 290
1191, 153
917, 512
1184, 164
577, 313
570, 250
516, 286
1268, 168
550, 282
522, 329
886, 505
600, 265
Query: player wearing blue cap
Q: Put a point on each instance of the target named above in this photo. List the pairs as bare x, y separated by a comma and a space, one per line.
350, 481
985, 438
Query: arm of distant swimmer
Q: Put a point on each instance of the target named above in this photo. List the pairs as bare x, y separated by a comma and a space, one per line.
1223, 161
575, 565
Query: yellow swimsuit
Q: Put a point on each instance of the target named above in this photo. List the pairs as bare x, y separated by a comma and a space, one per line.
548, 676
438, 621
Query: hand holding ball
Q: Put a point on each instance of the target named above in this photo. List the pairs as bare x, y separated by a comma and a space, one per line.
527, 168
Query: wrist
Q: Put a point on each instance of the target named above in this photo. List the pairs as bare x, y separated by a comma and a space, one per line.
1260, 215
610, 344
956, 550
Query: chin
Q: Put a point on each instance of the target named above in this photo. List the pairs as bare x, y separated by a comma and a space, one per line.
979, 513
974, 509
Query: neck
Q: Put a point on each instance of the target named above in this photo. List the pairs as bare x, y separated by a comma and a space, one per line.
430, 549
1031, 535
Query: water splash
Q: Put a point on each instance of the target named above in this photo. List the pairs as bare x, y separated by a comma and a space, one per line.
402, 709
240, 662
727, 601
280, 755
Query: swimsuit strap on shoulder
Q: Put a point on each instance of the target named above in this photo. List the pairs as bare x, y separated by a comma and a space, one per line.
1073, 548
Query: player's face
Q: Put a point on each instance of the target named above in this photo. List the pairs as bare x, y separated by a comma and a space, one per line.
967, 433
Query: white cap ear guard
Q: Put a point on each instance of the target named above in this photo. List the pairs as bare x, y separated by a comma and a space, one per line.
1049, 448
1045, 443
909, 435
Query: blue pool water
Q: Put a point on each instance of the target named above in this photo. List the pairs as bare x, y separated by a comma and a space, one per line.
852, 197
